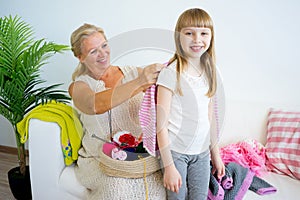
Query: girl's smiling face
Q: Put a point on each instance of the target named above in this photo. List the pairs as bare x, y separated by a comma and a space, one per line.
195, 41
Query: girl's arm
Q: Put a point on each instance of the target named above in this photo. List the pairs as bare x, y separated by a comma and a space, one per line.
90, 102
218, 165
172, 178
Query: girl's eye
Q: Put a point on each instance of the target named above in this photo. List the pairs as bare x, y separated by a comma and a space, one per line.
206, 33
188, 33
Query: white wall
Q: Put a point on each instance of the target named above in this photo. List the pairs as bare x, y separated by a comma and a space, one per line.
258, 44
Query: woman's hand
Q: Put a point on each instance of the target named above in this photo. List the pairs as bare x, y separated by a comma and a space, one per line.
148, 75
172, 178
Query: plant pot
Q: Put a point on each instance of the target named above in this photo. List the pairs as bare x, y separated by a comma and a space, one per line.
19, 185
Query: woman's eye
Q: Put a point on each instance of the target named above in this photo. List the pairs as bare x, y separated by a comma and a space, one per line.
93, 52
105, 45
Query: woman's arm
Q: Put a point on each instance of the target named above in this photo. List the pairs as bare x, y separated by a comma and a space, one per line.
90, 102
172, 178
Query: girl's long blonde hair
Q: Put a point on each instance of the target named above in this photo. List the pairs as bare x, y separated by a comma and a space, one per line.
196, 17
77, 37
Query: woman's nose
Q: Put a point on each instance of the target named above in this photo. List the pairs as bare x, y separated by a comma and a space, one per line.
100, 51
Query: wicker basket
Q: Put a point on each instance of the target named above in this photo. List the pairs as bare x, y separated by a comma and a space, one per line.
129, 169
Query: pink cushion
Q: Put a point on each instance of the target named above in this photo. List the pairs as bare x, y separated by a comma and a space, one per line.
283, 143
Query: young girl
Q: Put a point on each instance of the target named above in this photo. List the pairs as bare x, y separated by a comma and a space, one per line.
186, 138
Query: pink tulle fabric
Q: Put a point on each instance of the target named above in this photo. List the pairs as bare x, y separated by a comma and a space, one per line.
248, 153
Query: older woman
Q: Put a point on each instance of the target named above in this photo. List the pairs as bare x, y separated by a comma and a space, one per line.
104, 94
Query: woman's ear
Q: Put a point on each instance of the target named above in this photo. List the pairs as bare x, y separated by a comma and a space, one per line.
80, 58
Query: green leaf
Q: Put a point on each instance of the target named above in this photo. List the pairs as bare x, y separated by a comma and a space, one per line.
21, 58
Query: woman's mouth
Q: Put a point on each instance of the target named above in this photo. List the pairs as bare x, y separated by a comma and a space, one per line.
102, 60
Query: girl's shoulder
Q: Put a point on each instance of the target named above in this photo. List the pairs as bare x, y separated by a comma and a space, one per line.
172, 66
170, 69
167, 77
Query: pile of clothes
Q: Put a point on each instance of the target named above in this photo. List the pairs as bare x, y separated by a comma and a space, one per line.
245, 165
236, 182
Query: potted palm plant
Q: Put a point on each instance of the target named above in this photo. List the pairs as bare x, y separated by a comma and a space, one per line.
21, 58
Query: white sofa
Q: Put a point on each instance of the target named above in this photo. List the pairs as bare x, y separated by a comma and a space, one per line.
51, 179
248, 120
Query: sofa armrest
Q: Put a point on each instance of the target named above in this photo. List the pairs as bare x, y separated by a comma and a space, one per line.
46, 160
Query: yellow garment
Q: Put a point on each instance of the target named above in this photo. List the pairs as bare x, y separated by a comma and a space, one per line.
66, 118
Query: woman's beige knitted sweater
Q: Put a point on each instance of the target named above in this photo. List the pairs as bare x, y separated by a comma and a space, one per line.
124, 117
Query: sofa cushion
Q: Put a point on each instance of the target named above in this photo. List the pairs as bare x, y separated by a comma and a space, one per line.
283, 142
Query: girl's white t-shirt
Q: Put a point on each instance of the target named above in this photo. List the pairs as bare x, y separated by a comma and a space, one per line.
188, 119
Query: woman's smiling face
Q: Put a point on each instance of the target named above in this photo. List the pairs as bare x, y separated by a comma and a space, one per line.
95, 53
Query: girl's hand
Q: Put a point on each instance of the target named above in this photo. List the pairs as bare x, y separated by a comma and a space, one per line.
172, 179
218, 166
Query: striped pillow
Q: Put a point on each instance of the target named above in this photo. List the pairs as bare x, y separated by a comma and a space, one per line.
283, 142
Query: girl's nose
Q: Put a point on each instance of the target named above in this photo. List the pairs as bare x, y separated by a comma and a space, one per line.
197, 37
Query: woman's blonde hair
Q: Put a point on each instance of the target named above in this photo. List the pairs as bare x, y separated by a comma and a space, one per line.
77, 37
196, 17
